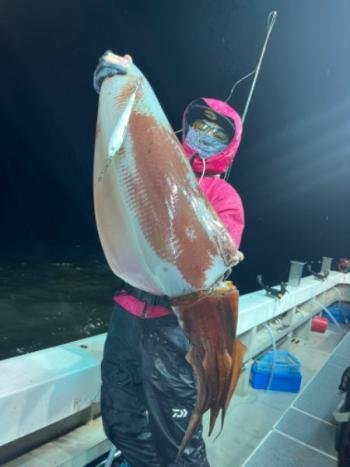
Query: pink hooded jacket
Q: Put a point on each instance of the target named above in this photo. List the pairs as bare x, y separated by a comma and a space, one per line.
223, 197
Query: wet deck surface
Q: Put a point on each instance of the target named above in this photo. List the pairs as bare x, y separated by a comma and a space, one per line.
305, 433
279, 429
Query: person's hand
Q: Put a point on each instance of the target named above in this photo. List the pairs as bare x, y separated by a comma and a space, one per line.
239, 256
118, 60
109, 65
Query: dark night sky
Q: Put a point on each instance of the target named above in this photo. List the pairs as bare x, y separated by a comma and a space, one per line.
292, 169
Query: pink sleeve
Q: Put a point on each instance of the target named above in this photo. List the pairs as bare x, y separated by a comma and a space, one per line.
228, 205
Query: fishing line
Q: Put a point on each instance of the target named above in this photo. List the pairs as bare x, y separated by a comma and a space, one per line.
237, 83
331, 316
274, 355
252, 398
270, 24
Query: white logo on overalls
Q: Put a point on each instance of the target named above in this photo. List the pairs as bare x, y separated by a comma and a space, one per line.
179, 413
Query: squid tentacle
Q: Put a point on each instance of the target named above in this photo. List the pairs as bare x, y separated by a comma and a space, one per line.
210, 319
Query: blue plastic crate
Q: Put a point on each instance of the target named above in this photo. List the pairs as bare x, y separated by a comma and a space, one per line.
285, 368
341, 312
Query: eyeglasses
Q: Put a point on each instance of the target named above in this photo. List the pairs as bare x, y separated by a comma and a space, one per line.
212, 129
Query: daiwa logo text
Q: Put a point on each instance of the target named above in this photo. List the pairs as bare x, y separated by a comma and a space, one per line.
180, 413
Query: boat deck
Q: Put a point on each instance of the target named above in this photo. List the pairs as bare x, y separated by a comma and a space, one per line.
285, 429
305, 432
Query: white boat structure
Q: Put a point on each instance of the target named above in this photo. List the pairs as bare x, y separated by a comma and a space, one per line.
49, 399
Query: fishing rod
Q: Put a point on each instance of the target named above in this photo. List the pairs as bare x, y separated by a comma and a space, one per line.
270, 24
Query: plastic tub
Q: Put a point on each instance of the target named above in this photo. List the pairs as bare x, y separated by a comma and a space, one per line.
285, 370
341, 312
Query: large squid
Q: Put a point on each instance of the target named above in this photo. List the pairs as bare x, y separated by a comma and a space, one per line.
160, 234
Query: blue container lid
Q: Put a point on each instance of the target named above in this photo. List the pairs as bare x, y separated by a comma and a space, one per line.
280, 361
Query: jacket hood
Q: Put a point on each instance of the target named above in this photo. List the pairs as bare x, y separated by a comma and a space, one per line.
217, 163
